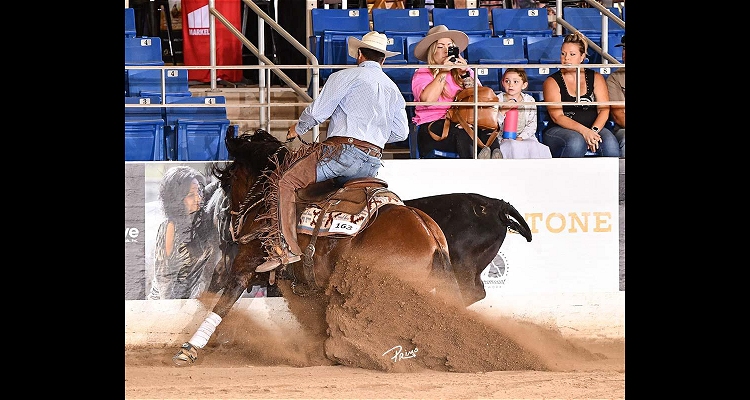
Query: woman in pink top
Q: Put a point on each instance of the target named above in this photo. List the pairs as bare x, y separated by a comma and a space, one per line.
442, 84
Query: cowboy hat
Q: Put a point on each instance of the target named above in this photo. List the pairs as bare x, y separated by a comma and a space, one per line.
371, 40
622, 42
434, 34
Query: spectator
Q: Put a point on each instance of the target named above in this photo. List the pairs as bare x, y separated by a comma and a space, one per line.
575, 128
432, 84
551, 18
525, 145
526, 4
367, 110
616, 89
186, 243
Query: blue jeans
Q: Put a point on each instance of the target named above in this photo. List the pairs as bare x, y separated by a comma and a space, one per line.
620, 135
564, 142
352, 163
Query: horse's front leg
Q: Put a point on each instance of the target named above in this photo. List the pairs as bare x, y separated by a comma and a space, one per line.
188, 352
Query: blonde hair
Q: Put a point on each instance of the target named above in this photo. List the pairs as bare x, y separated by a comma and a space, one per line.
454, 73
577, 37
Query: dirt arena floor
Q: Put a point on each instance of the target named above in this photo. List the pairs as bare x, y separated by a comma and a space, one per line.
231, 374
438, 350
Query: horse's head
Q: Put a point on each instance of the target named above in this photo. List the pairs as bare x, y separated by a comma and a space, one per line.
252, 154
254, 150
243, 183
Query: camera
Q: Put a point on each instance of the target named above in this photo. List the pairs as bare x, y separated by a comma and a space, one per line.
453, 53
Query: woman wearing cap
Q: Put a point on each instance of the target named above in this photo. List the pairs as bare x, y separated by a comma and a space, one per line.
574, 129
366, 111
435, 84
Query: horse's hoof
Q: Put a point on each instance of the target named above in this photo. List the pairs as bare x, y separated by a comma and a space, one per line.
186, 356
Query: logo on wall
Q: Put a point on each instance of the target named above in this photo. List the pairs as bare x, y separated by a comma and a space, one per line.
198, 23
131, 235
496, 273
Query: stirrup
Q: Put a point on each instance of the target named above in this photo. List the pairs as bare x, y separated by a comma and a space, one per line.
274, 262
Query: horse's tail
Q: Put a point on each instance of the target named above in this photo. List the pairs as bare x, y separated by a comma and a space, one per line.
514, 220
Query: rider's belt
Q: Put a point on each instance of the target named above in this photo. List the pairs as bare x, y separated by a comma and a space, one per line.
367, 147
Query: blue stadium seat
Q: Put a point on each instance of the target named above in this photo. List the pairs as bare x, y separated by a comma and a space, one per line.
589, 21
495, 50
197, 133
410, 42
508, 22
330, 28
143, 50
544, 50
352, 19
147, 82
129, 22
394, 21
471, 21
536, 78
505, 50
402, 78
613, 39
144, 130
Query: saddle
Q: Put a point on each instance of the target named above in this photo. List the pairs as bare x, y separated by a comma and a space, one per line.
346, 210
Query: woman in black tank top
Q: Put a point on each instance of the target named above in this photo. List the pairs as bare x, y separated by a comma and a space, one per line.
577, 130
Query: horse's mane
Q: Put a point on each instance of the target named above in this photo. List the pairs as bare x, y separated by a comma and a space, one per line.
250, 151
265, 158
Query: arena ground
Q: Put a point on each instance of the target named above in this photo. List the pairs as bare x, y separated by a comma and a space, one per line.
226, 374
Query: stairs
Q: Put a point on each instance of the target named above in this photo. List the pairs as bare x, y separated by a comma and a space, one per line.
243, 108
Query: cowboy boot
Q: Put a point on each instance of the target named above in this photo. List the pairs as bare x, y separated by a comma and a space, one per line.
284, 255
288, 226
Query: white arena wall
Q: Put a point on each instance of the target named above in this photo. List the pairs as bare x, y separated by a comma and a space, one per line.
566, 278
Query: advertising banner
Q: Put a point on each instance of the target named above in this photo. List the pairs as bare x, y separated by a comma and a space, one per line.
571, 206
197, 44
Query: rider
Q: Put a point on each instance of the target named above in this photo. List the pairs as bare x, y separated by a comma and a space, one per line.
367, 110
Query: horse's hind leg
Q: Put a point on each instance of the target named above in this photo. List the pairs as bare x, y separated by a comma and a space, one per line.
188, 352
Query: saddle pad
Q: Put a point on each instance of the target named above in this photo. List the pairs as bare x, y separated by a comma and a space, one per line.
340, 223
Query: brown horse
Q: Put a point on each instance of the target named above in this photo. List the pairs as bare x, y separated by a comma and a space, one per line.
398, 240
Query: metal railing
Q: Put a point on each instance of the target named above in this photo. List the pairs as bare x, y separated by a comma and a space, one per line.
266, 66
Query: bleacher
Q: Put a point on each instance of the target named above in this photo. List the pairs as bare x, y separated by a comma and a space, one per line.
510, 36
331, 27
166, 132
